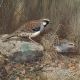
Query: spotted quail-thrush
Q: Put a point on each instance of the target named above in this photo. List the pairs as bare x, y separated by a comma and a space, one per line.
30, 29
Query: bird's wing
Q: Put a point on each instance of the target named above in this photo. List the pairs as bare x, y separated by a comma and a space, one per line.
36, 29
31, 26
28, 27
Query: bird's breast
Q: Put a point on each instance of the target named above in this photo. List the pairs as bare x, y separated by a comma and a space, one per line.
35, 34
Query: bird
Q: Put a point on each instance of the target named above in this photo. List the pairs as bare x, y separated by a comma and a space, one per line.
30, 29
65, 46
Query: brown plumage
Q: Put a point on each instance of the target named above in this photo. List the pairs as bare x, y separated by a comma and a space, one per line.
28, 26
30, 29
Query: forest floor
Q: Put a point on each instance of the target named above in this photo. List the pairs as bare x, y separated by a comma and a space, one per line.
62, 67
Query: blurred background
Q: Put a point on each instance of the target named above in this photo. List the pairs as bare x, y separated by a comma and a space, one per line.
14, 13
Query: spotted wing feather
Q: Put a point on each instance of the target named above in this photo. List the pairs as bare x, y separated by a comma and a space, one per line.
28, 27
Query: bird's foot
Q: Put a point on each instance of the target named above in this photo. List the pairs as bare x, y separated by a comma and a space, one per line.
34, 41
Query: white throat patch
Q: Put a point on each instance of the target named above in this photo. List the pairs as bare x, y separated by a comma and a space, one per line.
44, 23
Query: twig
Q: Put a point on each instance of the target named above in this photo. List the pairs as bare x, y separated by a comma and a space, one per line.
56, 30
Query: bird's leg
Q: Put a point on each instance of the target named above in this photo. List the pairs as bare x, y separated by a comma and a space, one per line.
33, 41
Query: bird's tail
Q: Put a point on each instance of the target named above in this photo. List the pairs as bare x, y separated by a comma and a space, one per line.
7, 37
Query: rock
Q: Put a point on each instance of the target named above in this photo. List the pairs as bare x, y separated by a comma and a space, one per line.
59, 74
21, 51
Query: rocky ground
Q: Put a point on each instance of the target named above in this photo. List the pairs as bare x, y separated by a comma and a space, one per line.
23, 60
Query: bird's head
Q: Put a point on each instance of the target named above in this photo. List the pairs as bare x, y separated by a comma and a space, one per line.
45, 22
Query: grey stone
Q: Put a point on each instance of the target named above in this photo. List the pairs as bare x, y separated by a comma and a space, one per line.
59, 74
21, 51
